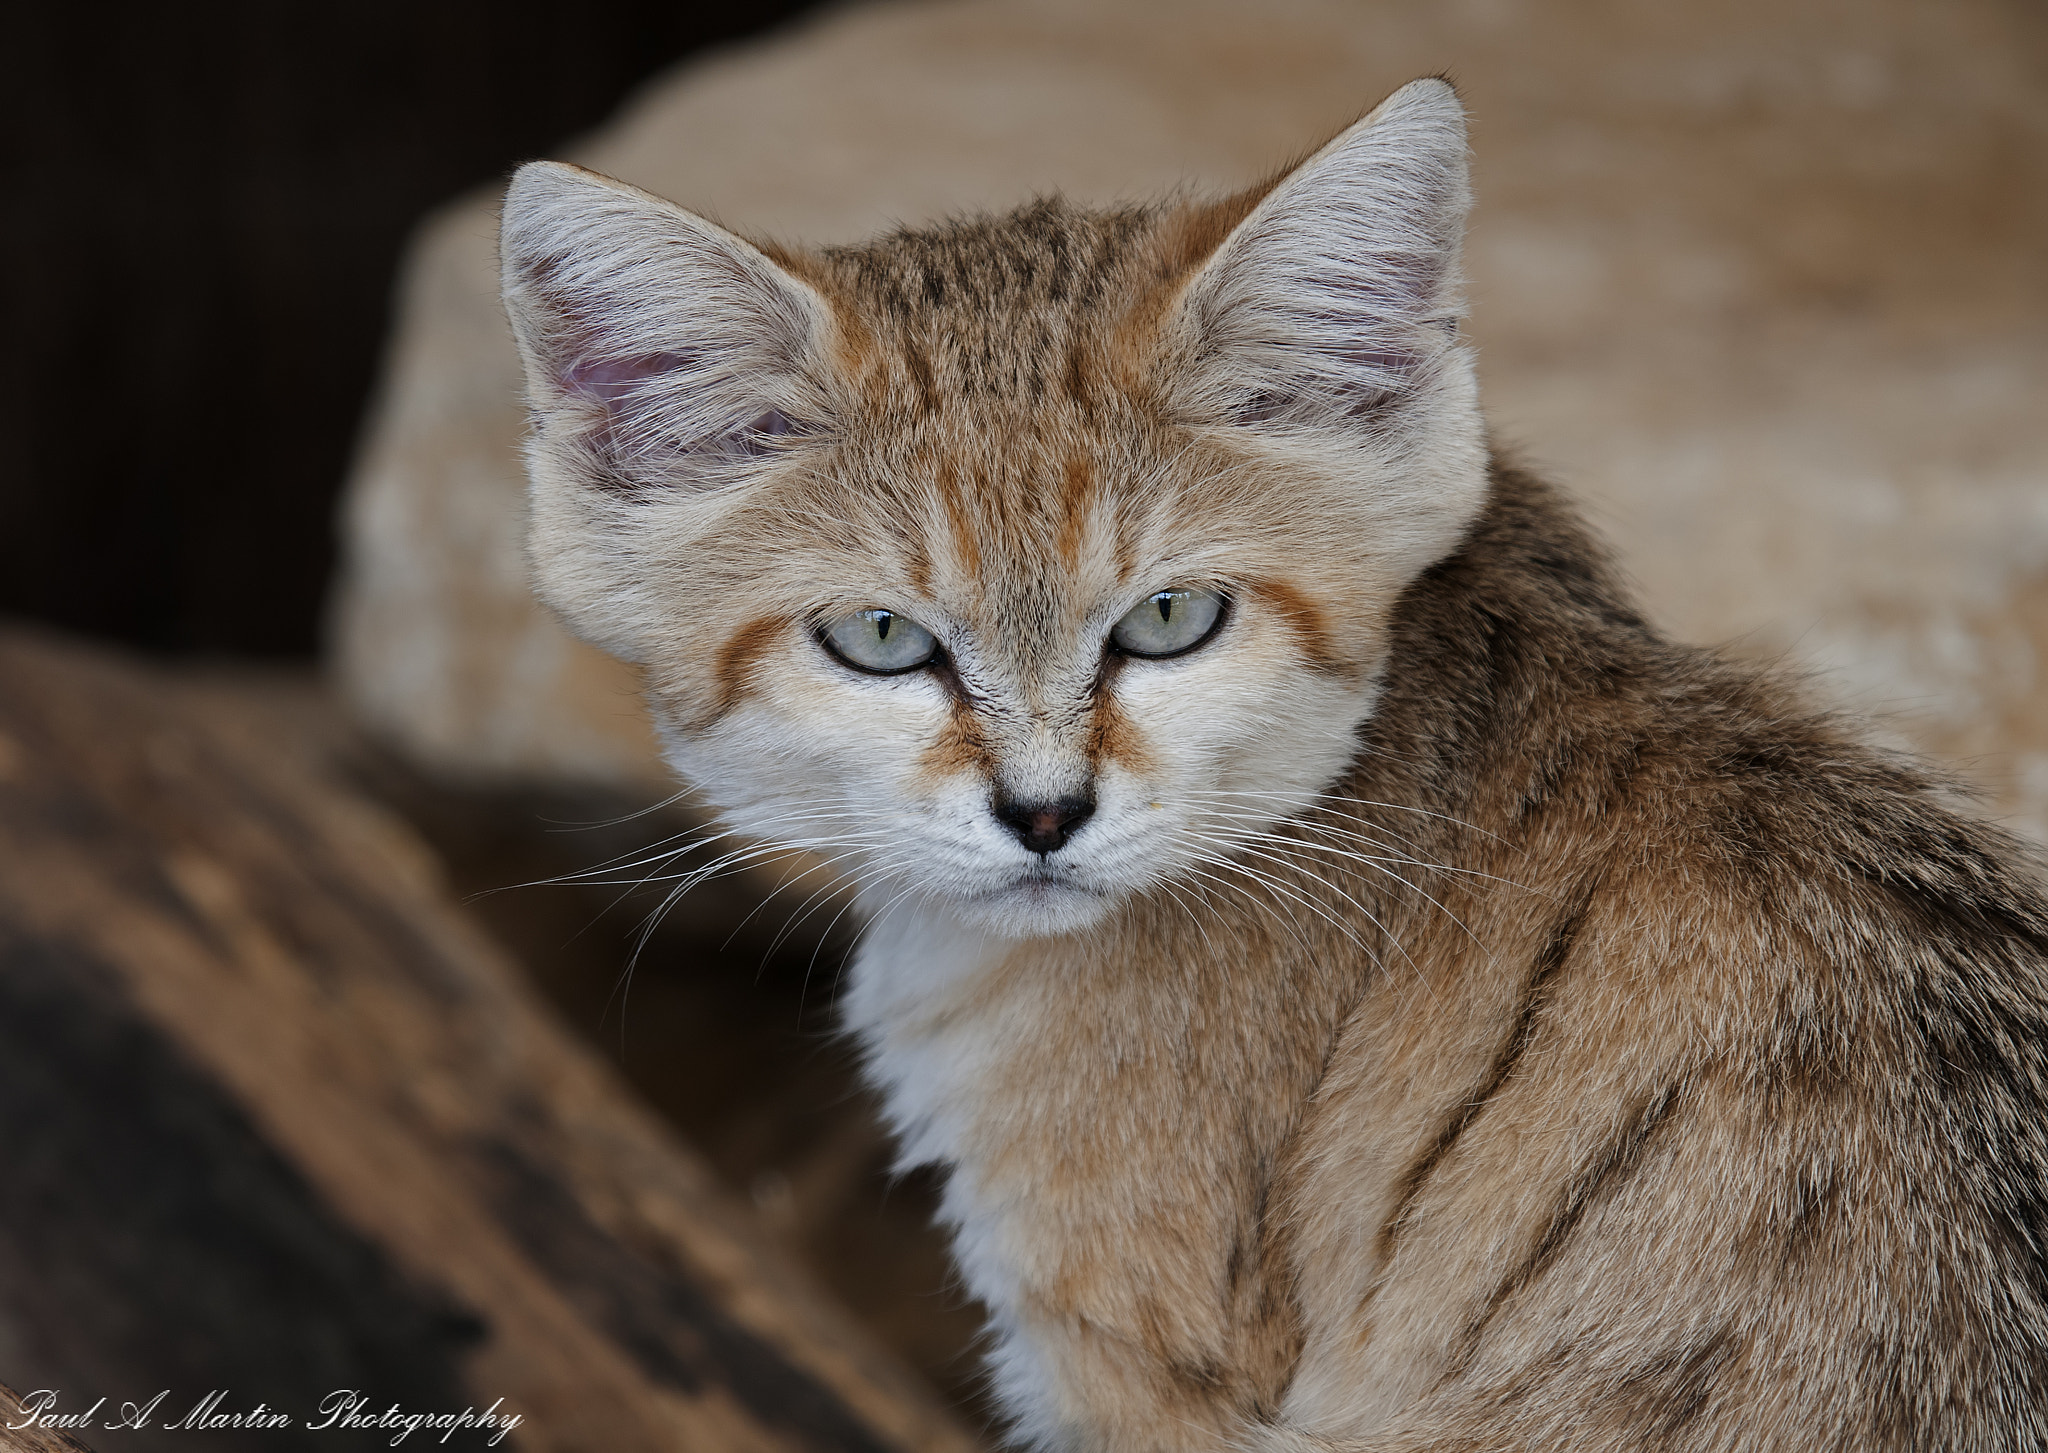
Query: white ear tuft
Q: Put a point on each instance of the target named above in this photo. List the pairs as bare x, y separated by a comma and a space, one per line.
660, 350
1340, 290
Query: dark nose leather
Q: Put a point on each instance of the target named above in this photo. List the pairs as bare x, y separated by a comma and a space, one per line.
1043, 827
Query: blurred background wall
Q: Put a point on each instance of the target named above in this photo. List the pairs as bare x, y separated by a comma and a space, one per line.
205, 205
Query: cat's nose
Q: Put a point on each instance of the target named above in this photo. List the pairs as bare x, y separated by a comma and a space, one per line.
1043, 827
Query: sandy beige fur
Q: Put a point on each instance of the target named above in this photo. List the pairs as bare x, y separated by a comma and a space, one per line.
1468, 1021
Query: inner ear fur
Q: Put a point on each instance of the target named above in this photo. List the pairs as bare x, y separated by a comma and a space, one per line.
648, 334
1334, 286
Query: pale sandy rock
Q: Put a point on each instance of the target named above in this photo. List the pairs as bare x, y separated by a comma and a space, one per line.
1765, 283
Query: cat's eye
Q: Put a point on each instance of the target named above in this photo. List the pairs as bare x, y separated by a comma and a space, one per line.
1169, 622
880, 641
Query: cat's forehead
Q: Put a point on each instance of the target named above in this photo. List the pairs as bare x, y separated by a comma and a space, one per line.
992, 308
1046, 254
980, 434
1033, 529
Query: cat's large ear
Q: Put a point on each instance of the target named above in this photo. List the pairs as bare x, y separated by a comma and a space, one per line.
662, 352
1336, 296
666, 361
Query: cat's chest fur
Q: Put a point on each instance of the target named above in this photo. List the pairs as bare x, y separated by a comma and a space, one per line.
1117, 1120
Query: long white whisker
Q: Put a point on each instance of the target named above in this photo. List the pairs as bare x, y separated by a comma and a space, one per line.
1339, 797
1293, 929
1370, 916
1296, 844
1218, 860
622, 819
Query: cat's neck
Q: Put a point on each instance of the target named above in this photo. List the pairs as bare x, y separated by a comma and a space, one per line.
1507, 659
1131, 1084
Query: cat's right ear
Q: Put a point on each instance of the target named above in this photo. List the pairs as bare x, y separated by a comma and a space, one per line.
663, 354
1334, 293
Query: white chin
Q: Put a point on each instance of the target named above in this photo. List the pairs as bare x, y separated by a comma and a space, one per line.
1036, 909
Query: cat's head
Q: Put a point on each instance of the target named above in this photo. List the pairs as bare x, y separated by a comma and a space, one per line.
1019, 563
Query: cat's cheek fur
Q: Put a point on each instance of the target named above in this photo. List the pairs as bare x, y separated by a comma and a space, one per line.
813, 761
859, 789
606, 563
1217, 748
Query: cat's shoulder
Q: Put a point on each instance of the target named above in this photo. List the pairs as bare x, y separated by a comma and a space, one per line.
1710, 795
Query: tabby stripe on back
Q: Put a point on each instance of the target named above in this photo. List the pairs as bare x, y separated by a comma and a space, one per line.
1549, 962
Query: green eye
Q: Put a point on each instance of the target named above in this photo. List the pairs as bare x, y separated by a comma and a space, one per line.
880, 641
1169, 623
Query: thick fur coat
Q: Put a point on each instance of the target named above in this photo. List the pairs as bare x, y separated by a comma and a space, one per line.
1458, 1018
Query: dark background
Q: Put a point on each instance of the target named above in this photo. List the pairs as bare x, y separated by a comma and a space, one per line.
205, 206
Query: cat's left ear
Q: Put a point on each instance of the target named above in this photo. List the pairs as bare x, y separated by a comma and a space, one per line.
668, 362
1337, 294
662, 352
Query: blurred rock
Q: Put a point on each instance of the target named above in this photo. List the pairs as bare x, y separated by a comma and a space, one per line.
1762, 282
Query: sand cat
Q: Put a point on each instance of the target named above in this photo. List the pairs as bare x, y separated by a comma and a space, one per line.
1370, 990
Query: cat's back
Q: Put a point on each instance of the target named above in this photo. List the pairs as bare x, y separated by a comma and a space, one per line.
1709, 1096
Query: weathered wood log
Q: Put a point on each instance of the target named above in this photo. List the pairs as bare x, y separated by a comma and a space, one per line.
278, 1121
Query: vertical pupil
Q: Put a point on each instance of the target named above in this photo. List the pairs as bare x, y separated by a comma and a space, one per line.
883, 620
1165, 605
